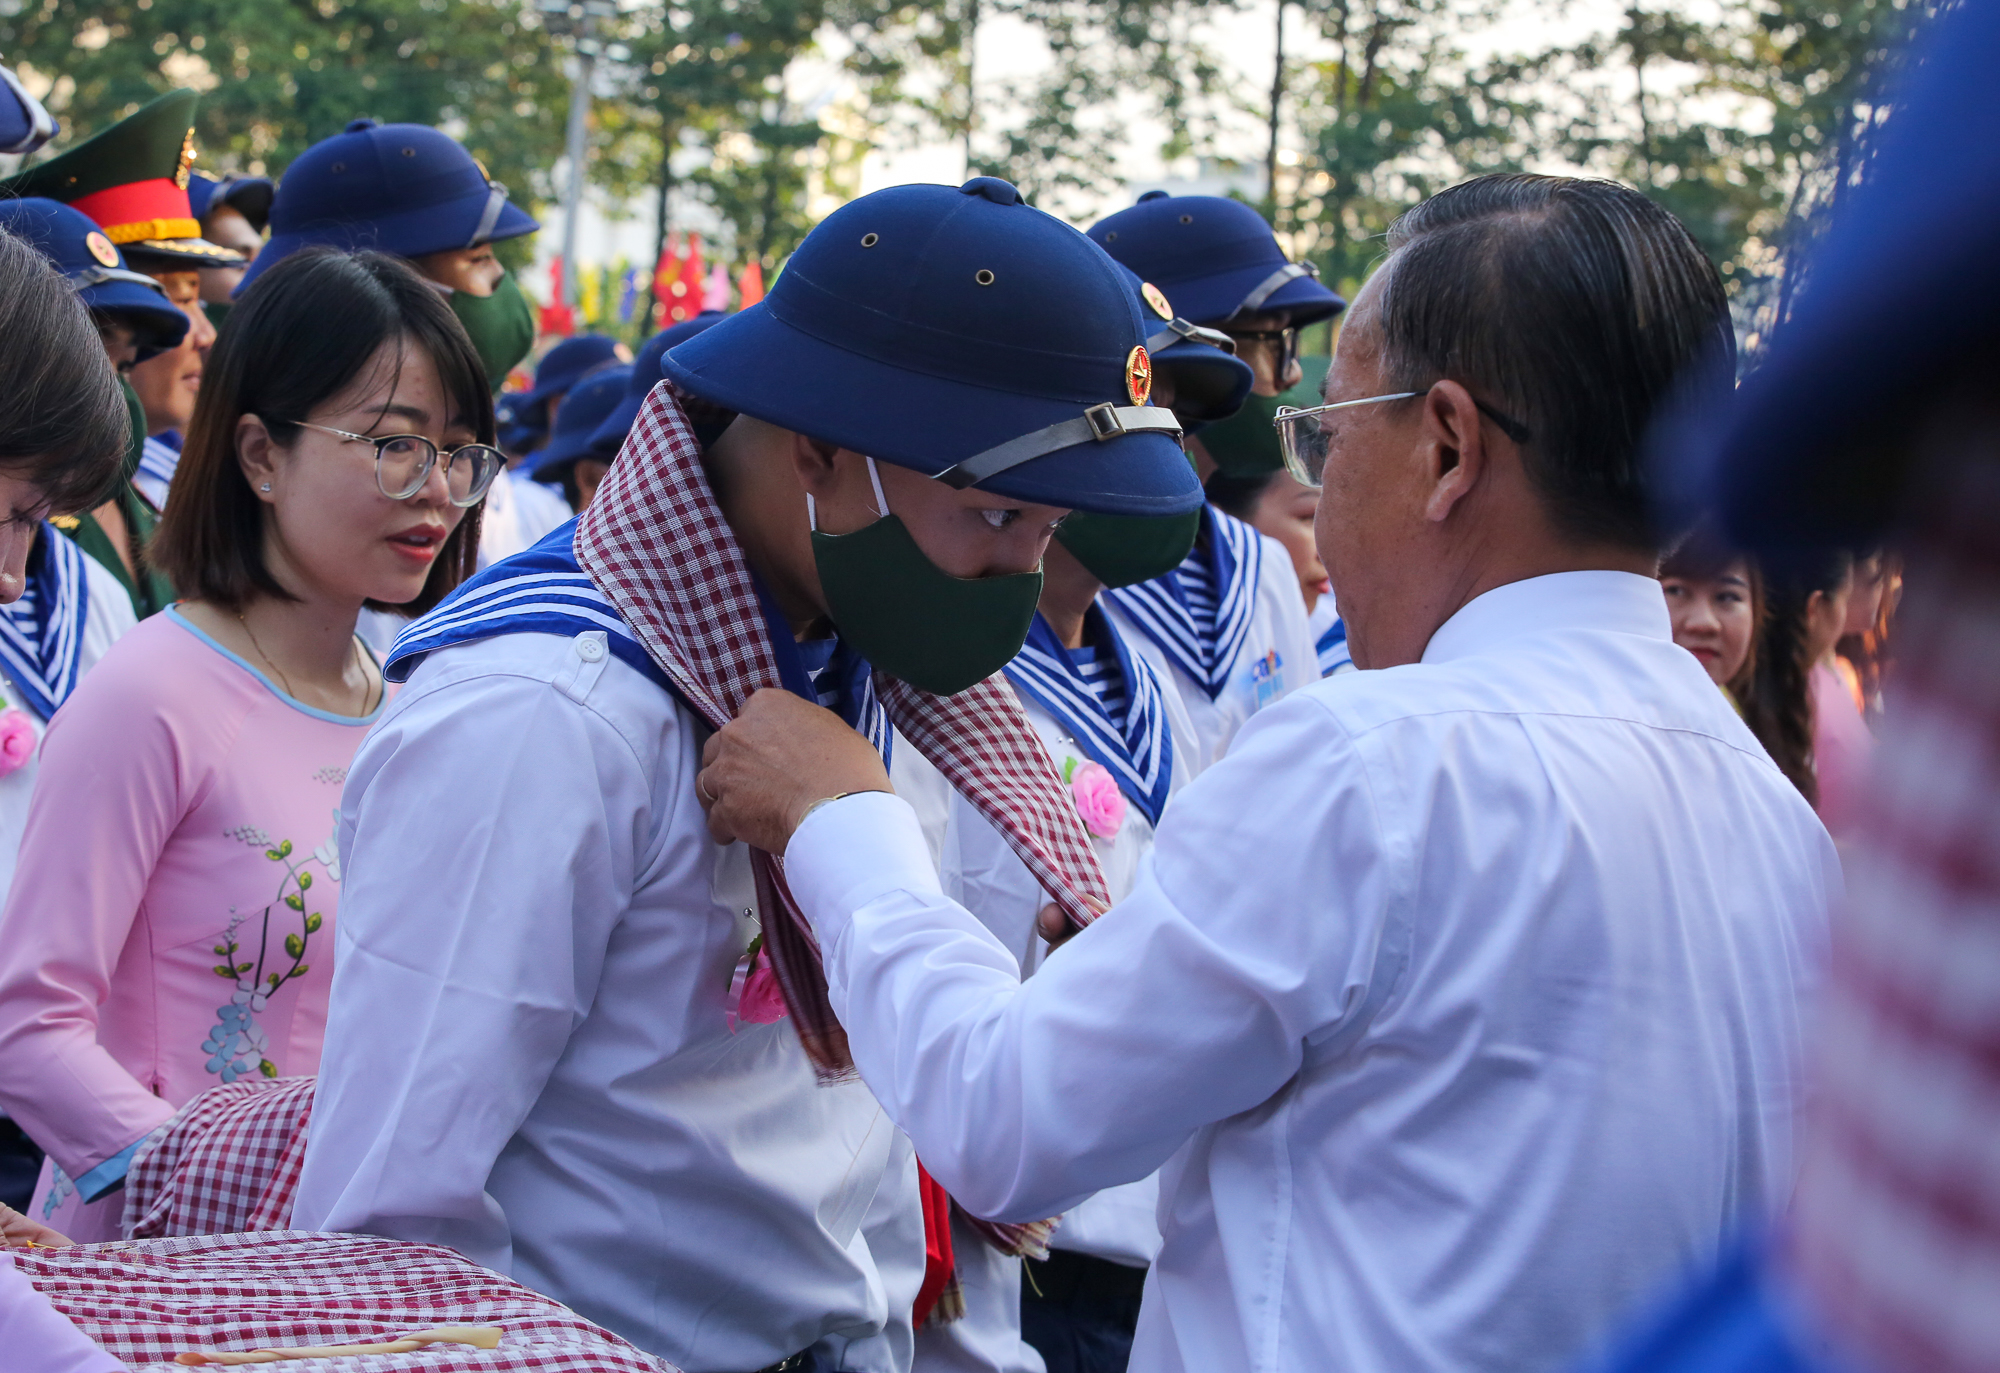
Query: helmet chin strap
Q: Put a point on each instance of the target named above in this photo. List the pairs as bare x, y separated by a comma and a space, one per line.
881, 501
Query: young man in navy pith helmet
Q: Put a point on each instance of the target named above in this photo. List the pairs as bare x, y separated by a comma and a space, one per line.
411, 190
132, 180
1118, 735
1229, 624
602, 1060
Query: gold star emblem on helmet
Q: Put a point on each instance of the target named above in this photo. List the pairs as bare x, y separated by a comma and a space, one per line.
1156, 299
1138, 376
101, 249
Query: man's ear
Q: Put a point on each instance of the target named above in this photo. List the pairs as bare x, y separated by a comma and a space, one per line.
257, 455
1454, 445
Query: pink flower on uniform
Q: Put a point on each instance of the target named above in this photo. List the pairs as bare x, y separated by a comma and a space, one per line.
1098, 800
17, 740
762, 1001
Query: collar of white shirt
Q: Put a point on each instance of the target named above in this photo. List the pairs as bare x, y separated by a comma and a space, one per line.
1615, 602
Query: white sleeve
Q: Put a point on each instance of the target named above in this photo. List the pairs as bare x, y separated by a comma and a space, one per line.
492, 828
1254, 929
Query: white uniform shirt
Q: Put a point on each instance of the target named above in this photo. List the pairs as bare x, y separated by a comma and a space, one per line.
107, 615
1276, 657
983, 874
1461, 1002
526, 1054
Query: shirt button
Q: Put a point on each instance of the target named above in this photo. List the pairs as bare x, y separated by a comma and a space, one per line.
589, 647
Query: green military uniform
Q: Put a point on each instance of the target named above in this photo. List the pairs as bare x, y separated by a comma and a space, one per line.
132, 179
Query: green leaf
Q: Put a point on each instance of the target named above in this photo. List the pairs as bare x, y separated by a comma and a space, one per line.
313, 922
294, 945
222, 949
274, 979
242, 968
273, 855
295, 901
285, 848
305, 880
302, 970
267, 1068
224, 970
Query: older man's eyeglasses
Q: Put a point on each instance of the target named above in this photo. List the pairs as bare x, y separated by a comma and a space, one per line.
1302, 436
403, 463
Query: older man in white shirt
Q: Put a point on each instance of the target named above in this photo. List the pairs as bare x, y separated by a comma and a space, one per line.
1461, 1001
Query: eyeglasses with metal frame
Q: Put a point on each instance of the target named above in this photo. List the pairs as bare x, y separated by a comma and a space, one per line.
403, 463
1302, 439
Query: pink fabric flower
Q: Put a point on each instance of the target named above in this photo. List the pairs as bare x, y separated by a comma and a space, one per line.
17, 740
754, 994
1098, 800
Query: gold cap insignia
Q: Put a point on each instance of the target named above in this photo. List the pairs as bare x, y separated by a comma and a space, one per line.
1157, 299
186, 168
101, 249
1138, 376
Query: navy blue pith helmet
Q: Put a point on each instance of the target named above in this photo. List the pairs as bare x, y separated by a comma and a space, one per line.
406, 189
646, 374
24, 124
1209, 382
562, 367
583, 410
516, 435
959, 333
1902, 296
1215, 258
96, 270
249, 196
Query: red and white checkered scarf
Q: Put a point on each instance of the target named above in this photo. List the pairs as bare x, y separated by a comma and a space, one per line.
655, 542
1895, 1232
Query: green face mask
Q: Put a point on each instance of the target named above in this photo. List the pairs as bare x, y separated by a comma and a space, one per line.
1246, 444
502, 327
1124, 550
910, 618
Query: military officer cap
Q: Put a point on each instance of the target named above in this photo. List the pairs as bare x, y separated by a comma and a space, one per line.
1215, 258
957, 332
96, 270
645, 375
406, 189
24, 124
249, 196
132, 179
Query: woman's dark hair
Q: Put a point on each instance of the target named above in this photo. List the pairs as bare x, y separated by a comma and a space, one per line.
1705, 556
301, 335
1577, 309
1778, 708
64, 425
1238, 496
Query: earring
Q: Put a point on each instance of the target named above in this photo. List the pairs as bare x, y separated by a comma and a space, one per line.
265, 487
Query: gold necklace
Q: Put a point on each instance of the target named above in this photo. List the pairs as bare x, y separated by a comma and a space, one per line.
353, 648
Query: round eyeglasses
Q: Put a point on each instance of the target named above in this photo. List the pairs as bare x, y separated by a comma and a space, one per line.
403, 463
1302, 438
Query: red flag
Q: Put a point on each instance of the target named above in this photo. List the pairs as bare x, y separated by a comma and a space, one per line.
682, 297
665, 272
556, 317
751, 285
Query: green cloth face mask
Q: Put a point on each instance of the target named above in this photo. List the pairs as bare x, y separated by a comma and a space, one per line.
910, 618
1124, 550
1246, 444
502, 326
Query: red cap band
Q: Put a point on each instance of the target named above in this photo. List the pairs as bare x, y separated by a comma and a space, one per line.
141, 210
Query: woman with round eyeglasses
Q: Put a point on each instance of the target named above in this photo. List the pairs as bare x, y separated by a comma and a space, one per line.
170, 927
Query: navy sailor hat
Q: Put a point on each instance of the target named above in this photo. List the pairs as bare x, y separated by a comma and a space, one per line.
1215, 258
960, 333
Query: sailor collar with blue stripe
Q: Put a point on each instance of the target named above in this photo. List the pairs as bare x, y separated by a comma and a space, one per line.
1334, 654
41, 634
1139, 751
1226, 565
543, 591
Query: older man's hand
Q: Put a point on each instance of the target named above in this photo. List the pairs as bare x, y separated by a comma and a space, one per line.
764, 770
19, 1232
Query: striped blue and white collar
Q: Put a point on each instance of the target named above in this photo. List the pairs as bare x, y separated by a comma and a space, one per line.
41, 634
1225, 568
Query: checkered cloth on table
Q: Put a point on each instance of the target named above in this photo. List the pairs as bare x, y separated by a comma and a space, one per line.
227, 1161
654, 540
147, 1300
